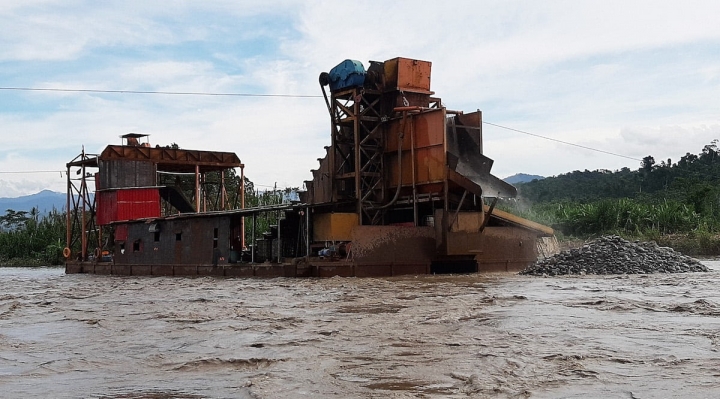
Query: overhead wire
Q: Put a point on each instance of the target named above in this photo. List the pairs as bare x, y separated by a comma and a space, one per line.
33, 171
562, 142
285, 96
177, 93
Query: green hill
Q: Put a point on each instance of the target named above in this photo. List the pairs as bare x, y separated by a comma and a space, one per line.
692, 180
656, 200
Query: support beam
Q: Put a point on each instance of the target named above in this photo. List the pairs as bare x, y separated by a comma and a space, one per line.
457, 211
197, 188
488, 214
242, 202
252, 238
68, 214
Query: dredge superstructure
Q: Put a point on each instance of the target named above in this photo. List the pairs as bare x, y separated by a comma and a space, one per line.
404, 188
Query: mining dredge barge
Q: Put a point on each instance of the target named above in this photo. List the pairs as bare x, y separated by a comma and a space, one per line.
404, 188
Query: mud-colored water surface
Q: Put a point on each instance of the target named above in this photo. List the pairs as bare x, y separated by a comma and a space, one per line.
499, 335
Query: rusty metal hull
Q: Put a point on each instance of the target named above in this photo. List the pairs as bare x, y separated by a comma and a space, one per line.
200, 245
376, 251
316, 268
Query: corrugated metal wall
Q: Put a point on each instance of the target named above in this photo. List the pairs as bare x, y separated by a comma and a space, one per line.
138, 203
106, 207
129, 204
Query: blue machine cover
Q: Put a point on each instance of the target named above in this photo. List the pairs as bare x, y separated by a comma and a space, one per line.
349, 73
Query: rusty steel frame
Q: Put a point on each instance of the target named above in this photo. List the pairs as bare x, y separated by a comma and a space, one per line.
171, 159
80, 212
357, 151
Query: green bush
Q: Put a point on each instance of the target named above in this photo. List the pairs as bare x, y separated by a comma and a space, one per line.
26, 238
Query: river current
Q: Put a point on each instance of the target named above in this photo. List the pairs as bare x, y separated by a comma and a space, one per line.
468, 336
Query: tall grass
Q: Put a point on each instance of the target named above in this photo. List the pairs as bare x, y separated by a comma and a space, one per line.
626, 216
623, 216
32, 239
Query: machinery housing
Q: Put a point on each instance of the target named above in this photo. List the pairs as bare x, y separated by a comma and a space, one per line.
403, 188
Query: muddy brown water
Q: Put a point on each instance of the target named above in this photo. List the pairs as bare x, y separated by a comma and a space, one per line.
497, 335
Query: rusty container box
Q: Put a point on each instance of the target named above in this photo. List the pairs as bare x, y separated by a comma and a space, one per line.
407, 75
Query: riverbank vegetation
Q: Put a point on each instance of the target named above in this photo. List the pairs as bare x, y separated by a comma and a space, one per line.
675, 204
29, 239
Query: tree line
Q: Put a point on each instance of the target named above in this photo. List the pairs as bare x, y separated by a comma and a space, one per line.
657, 201
27, 238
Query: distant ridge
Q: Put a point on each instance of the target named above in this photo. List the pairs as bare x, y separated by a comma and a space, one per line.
45, 201
522, 178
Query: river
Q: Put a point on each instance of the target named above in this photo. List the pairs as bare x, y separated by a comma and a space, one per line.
468, 336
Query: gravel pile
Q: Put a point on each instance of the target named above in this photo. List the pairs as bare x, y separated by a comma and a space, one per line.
615, 255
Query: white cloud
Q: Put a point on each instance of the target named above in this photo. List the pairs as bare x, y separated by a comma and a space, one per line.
59, 30
63, 30
22, 175
634, 78
664, 139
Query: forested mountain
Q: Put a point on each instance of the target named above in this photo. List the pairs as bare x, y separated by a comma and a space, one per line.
44, 201
693, 180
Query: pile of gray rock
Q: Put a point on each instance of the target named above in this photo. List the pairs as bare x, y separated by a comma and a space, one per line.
615, 255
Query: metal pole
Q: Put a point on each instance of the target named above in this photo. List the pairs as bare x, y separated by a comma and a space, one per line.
307, 232
279, 251
197, 188
446, 205
222, 190
252, 244
331, 153
83, 232
356, 150
68, 220
412, 160
242, 201
446, 191
480, 128
488, 214
203, 190
99, 244
457, 211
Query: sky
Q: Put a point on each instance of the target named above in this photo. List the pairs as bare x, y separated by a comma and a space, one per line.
632, 78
